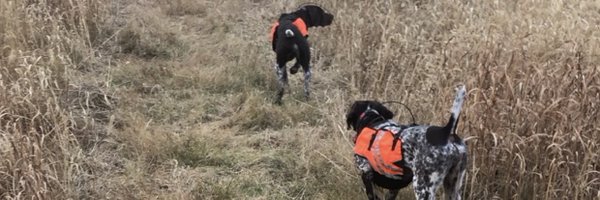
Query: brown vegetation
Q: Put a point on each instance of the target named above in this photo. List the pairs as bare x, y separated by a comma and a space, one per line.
172, 99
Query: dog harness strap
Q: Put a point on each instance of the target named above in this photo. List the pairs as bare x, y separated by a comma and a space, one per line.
383, 162
397, 137
394, 143
372, 140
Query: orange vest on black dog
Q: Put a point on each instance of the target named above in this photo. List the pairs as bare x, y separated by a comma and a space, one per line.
299, 23
381, 148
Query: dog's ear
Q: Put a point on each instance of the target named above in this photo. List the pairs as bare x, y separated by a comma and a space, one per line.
314, 15
353, 114
383, 111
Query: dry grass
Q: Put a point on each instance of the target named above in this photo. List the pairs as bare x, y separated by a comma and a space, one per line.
45, 114
165, 99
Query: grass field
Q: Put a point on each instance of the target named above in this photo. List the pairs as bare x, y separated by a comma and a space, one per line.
172, 99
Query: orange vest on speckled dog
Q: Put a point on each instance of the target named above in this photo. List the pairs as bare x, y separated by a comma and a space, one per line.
383, 152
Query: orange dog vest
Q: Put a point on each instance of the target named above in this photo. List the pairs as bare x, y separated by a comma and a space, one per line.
299, 23
382, 150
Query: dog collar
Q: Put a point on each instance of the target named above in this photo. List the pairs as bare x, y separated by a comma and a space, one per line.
369, 109
362, 115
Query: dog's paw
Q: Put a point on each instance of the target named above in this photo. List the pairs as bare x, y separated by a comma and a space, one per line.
278, 101
294, 69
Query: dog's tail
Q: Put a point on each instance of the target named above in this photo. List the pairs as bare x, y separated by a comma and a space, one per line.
289, 33
456, 106
441, 135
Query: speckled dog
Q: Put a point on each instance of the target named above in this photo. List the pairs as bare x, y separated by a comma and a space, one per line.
429, 155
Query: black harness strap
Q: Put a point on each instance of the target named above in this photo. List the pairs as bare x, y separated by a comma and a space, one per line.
372, 139
394, 143
397, 137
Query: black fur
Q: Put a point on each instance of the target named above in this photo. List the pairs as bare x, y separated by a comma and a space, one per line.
358, 107
439, 135
314, 15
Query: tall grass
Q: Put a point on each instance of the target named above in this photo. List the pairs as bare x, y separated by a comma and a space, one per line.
531, 116
42, 43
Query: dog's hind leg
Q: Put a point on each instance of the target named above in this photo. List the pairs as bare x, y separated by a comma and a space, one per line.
453, 182
453, 185
282, 82
303, 58
307, 76
305, 62
294, 69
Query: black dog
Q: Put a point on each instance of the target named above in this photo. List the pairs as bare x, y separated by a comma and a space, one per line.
289, 40
428, 155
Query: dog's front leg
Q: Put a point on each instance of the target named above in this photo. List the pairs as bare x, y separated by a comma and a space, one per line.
366, 174
391, 195
424, 187
424, 192
367, 178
